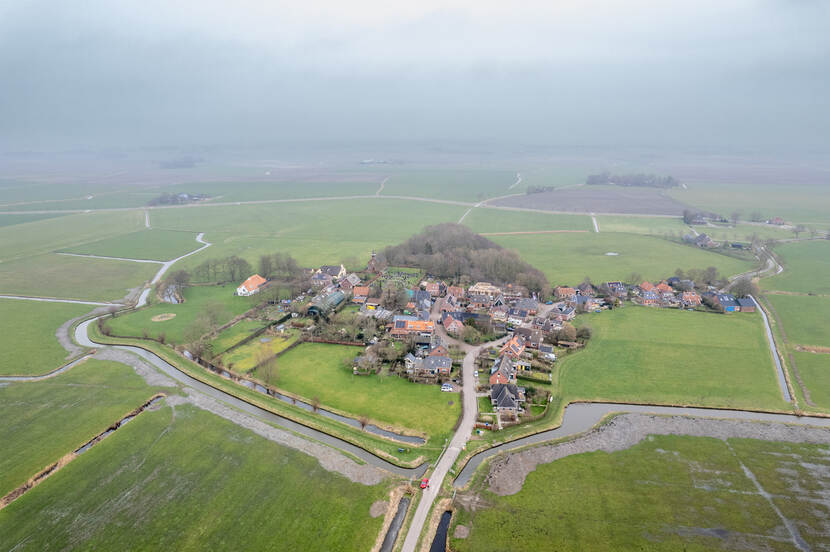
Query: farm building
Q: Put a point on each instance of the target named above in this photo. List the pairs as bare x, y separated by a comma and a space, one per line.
323, 305
250, 286
746, 304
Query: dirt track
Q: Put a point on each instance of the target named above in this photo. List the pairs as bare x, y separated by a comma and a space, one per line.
508, 473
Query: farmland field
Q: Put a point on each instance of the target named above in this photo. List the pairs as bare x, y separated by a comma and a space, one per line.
814, 369
168, 481
641, 354
27, 335
569, 258
806, 268
598, 199
197, 299
158, 245
67, 277
498, 220
249, 355
469, 185
325, 371
663, 494
44, 420
806, 319
10, 220
233, 335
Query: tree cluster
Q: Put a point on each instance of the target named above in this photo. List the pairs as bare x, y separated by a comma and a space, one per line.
453, 251
643, 180
226, 269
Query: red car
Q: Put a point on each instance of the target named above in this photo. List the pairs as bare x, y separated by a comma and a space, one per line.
424, 483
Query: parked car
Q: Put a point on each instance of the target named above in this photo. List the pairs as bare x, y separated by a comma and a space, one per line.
446, 387
475, 374
424, 483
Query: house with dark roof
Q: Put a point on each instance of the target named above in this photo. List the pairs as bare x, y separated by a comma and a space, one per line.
727, 301
746, 304
507, 398
527, 304
563, 313
349, 282
503, 371
617, 289
650, 299
532, 337
334, 271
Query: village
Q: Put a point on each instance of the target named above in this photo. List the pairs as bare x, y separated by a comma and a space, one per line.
417, 327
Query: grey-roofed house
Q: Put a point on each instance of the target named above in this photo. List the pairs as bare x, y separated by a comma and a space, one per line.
746, 304
506, 397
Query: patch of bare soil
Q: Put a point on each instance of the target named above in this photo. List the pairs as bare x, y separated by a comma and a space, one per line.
461, 532
598, 199
163, 317
813, 349
152, 376
329, 458
507, 473
378, 508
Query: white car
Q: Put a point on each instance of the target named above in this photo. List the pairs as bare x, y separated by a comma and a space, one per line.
446, 387
475, 374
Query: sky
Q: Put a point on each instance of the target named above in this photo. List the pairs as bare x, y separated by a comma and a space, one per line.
740, 74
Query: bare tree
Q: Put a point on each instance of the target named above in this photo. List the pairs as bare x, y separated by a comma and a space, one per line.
736, 216
315, 404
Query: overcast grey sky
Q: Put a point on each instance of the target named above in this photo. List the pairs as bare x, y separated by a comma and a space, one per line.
741, 73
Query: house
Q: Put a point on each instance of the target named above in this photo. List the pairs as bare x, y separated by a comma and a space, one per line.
650, 299
428, 367
617, 289
585, 288
422, 300
563, 313
528, 304
746, 304
663, 288
564, 293
516, 317
435, 289
727, 301
532, 337
479, 301
456, 291
507, 398
336, 272
452, 325
251, 285
587, 302
440, 350
502, 371
646, 286
321, 280
360, 294
704, 241
409, 325
484, 288
690, 299
499, 314
514, 347
512, 292
349, 282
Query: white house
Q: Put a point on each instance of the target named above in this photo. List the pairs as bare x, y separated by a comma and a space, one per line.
251, 285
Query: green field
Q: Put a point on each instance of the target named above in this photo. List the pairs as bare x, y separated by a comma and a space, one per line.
233, 335
669, 356
569, 258
249, 355
10, 220
469, 185
52, 234
499, 220
325, 371
667, 493
196, 299
806, 319
657, 226
44, 420
314, 232
158, 245
166, 482
258, 191
806, 268
27, 335
66, 277
814, 369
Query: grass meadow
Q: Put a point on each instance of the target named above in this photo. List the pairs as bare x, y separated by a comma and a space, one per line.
44, 420
246, 357
647, 355
499, 220
157, 245
196, 300
806, 319
806, 268
325, 371
469, 185
233, 335
653, 496
11, 220
67, 277
169, 481
27, 335
814, 369
569, 258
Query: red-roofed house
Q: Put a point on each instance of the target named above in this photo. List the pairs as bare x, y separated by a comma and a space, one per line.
646, 286
453, 325
251, 285
514, 348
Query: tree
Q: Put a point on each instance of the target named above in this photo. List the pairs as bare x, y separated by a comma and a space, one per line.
567, 333
315, 404
393, 297
269, 371
583, 333
735, 216
266, 266
798, 230
635, 278
744, 287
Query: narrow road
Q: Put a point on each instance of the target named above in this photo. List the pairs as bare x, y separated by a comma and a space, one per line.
110, 258
382, 184
146, 218
782, 379
53, 300
456, 445
596, 226
518, 181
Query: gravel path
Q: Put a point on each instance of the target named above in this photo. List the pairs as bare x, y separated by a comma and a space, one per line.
329, 459
507, 473
142, 368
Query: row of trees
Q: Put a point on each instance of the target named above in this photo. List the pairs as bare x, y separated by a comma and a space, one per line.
225, 269
641, 179
453, 251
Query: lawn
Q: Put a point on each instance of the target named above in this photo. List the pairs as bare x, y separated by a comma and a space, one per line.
806, 268
196, 299
814, 369
66, 277
166, 482
648, 355
325, 371
806, 320
158, 245
252, 353
44, 420
233, 335
452, 184
666, 493
27, 335
569, 258
484, 220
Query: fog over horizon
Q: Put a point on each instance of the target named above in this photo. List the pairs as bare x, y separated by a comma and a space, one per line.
748, 74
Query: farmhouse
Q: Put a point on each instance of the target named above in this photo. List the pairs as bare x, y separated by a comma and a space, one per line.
746, 304
250, 286
336, 272
727, 301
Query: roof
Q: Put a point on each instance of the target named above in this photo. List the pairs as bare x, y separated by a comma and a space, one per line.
646, 286
505, 395
746, 302
361, 291
515, 346
253, 282
437, 362
331, 270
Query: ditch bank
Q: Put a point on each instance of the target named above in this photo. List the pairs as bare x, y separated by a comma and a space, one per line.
51, 469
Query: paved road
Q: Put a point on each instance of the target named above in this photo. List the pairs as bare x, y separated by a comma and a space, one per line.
110, 258
596, 226
782, 380
456, 445
53, 300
